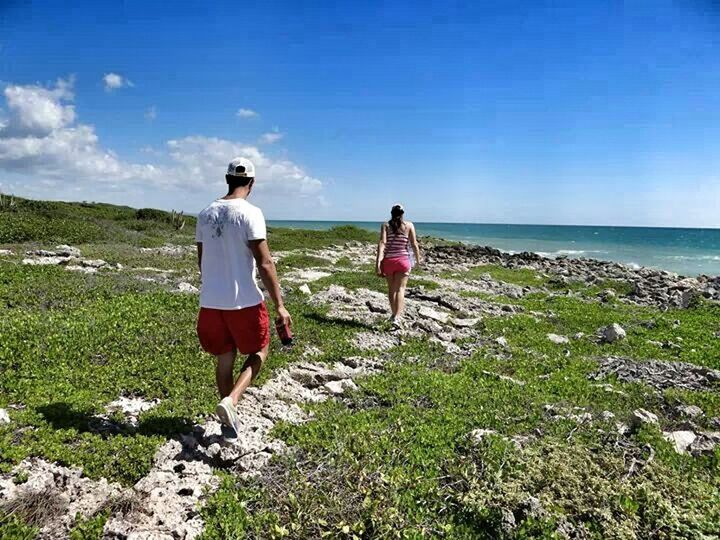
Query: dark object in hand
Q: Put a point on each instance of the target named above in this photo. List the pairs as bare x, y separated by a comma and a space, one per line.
284, 333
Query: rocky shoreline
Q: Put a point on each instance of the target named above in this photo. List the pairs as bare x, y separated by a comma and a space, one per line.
649, 286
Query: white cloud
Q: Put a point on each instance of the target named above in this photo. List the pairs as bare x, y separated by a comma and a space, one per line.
246, 113
151, 113
271, 137
41, 139
201, 161
35, 110
113, 81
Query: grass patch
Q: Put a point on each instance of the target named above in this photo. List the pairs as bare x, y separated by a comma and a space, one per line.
692, 330
284, 239
406, 467
352, 280
301, 260
516, 276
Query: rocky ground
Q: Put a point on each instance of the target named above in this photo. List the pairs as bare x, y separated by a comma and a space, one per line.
447, 307
648, 286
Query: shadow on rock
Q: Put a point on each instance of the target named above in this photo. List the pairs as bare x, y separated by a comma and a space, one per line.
324, 319
63, 415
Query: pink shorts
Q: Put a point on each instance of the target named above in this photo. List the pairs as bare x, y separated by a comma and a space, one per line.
399, 265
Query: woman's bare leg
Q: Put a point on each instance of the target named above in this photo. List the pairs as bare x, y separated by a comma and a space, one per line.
392, 295
400, 286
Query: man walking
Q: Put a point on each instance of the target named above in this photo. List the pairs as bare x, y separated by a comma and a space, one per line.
232, 245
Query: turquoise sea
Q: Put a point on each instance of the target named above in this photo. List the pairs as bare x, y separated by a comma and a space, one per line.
686, 251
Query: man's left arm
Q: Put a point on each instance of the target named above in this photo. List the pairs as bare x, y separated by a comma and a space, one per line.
257, 237
268, 275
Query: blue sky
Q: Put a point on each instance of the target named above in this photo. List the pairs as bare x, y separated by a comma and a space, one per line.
574, 112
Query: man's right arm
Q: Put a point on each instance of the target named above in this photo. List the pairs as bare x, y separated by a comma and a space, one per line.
268, 275
199, 254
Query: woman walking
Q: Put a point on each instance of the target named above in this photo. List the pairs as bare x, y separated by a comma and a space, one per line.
397, 236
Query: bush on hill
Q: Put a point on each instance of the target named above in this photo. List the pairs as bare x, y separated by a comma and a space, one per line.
24, 227
152, 214
28, 220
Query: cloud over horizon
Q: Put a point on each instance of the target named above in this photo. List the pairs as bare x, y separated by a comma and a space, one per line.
41, 137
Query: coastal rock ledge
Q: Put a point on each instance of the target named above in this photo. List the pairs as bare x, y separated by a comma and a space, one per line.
648, 287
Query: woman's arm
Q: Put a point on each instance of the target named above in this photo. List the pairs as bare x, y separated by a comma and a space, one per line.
414, 243
381, 249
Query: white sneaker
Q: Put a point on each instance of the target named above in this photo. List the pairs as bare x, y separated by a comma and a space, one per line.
227, 414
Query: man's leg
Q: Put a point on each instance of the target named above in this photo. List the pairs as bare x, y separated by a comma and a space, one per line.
224, 368
249, 371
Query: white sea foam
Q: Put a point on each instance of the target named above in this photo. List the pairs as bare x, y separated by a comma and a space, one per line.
579, 251
693, 257
571, 252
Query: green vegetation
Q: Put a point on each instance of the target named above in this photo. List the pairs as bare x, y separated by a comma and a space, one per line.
517, 276
77, 223
527, 277
407, 464
292, 239
301, 260
393, 459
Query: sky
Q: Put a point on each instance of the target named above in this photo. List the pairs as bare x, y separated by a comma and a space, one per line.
549, 112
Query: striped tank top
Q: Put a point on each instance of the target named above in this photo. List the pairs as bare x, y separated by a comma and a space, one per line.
396, 245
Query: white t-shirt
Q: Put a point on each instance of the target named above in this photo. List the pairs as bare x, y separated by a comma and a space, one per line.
225, 229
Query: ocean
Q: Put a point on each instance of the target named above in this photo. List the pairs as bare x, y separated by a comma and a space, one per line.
688, 252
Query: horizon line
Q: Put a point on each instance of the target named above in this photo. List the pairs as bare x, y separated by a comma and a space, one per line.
350, 222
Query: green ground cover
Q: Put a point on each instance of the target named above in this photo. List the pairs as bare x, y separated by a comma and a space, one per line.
404, 467
71, 222
291, 239
393, 459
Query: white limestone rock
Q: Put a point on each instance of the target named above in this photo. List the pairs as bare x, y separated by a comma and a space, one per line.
558, 340
681, 440
641, 417
184, 287
612, 333
430, 313
305, 289
337, 388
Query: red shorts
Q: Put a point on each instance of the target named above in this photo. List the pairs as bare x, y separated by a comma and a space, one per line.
222, 330
399, 265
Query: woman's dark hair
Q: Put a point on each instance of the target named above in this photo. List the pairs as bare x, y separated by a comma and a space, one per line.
396, 218
235, 182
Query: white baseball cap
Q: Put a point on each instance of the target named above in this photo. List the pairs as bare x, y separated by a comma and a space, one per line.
241, 167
